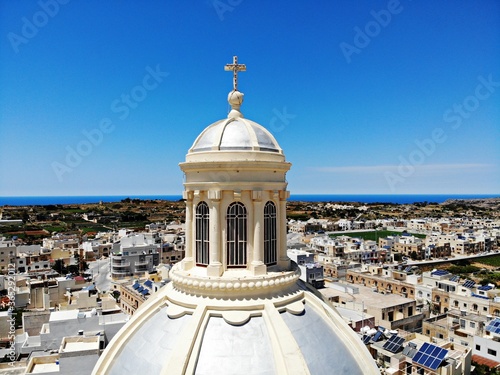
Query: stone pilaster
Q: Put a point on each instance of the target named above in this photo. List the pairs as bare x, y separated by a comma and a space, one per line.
188, 261
283, 260
215, 265
257, 265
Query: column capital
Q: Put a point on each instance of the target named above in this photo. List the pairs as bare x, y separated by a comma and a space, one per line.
237, 195
214, 195
188, 195
284, 195
256, 195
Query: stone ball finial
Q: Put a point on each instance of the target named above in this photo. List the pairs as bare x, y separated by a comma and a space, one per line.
235, 99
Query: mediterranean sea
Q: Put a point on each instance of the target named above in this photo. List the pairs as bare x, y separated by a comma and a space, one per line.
363, 198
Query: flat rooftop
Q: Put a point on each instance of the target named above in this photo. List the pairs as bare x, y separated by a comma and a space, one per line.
41, 368
78, 346
365, 295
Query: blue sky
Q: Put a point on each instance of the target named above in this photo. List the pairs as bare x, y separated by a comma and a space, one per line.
364, 97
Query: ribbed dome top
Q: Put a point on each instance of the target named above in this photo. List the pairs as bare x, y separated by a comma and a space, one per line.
235, 134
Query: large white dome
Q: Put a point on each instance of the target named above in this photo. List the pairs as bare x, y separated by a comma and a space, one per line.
227, 326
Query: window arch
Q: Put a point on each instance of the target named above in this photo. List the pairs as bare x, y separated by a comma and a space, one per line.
270, 240
236, 235
202, 234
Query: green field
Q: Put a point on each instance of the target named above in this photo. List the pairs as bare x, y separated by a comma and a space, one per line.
374, 236
491, 261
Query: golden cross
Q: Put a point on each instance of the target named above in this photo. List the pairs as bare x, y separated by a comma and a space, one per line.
235, 67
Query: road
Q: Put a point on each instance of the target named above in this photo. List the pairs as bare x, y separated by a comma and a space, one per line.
101, 274
451, 259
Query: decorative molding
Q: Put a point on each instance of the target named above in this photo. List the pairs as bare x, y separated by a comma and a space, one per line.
232, 286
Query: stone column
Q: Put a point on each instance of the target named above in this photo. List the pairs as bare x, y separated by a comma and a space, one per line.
188, 261
283, 260
215, 266
257, 266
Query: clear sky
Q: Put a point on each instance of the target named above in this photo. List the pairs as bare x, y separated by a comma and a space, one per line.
365, 97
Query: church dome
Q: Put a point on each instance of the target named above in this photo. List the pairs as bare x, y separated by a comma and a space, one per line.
282, 329
236, 303
235, 134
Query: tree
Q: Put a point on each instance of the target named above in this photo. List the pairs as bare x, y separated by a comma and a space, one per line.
59, 266
116, 295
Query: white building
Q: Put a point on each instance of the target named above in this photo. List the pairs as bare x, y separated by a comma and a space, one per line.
134, 255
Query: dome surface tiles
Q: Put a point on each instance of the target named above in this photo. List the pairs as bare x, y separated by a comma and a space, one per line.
229, 349
150, 346
323, 350
236, 349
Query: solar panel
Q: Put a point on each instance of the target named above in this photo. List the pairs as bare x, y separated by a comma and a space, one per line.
394, 343
494, 326
136, 286
485, 287
377, 336
408, 269
366, 339
455, 278
469, 283
430, 356
439, 273
148, 283
145, 291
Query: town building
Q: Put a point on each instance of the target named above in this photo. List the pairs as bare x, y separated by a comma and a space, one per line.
134, 255
310, 271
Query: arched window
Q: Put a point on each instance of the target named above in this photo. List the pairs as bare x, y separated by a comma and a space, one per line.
236, 235
270, 241
202, 234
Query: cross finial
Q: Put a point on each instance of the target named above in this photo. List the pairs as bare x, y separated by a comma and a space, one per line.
235, 67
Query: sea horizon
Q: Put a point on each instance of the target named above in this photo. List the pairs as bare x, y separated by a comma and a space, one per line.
359, 198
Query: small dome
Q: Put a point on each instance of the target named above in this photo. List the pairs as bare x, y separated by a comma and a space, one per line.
235, 134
